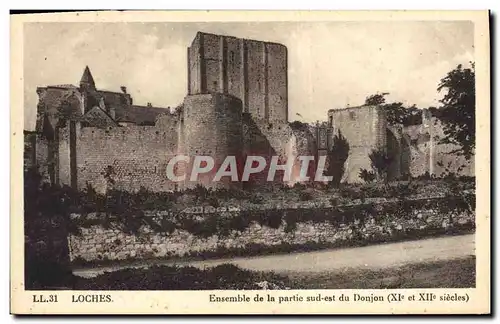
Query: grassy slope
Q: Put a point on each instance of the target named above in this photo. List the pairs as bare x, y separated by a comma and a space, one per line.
459, 273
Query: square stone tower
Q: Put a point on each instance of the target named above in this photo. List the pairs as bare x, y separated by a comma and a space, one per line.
253, 71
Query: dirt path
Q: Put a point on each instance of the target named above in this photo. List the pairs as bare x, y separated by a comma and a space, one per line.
369, 257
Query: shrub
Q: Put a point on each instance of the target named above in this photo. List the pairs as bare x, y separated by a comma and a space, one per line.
306, 196
298, 125
380, 162
291, 219
337, 156
256, 199
367, 176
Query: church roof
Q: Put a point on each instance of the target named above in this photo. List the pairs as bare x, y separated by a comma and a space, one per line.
64, 86
139, 114
97, 117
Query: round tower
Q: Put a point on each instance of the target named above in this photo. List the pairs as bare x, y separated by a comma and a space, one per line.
212, 127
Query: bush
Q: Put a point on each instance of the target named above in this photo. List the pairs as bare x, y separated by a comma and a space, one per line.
306, 196
380, 161
367, 176
337, 156
257, 199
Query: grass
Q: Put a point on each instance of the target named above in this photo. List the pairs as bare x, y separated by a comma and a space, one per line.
225, 276
459, 273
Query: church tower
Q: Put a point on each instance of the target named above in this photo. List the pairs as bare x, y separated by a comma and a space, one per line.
87, 88
87, 81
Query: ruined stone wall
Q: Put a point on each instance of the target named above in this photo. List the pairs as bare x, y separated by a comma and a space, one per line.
430, 156
98, 243
29, 153
365, 130
418, 143
51, 102
44, 159
443, 158
64, 156
277, 139
133, 157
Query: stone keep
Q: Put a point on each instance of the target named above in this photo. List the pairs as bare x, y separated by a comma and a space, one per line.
253, 71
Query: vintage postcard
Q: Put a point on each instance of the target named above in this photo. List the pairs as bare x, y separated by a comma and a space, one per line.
250, 162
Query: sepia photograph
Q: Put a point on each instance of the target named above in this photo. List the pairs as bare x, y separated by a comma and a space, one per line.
223, 155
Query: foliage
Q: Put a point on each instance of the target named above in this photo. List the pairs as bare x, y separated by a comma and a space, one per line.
367, 176
376, 99
222, 225
46, 211
298, 125
337, 156
306, 196
380, 162
458, 109
396, 113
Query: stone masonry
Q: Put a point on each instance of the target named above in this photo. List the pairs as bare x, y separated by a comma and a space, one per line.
236, 104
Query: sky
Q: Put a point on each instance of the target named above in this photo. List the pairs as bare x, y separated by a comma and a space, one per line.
330, 64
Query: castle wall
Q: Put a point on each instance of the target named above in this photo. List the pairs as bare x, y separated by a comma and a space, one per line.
29, 153
212, 127
44, 159
277, 139
334, 228
64, 159
428, 155
418, 143
133, 157
52, 99
365, 130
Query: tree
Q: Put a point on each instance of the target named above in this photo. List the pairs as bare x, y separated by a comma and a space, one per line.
457, 112
380, 162
337, 156
396, 113
376, 99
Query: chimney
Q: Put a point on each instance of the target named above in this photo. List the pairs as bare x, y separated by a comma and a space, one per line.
149, 104
124, 89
